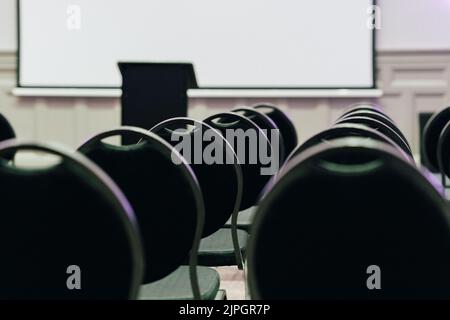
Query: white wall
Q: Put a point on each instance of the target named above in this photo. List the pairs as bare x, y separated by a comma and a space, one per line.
414, 25
412, 82
406, 24
8, 35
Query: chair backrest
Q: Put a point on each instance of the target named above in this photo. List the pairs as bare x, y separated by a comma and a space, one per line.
346, 130
364, 106
216, 168
380, 126
219, 176
431, 134
163, 191
345, 219
69, 219
6, 130
443, 153
265, 123
423, 118
247, 151
287, 128
377, 116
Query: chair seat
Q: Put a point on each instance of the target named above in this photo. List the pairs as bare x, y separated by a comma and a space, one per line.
245, 219
177, 285
217, 249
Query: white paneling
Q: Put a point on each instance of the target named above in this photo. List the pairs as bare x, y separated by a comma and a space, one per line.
8, 35
412, 82
414, 25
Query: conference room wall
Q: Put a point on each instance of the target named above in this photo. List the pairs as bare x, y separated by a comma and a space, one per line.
414, 59
406, 25
412, 82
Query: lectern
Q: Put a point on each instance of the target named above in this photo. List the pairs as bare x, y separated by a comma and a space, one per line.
153, 92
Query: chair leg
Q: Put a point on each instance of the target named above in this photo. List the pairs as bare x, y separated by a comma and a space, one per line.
221, 295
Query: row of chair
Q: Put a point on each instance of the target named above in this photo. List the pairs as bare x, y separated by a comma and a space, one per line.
351, 216
436, 143
135, 223
142, 222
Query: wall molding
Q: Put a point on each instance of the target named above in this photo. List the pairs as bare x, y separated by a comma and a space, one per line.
412, 82
8, 61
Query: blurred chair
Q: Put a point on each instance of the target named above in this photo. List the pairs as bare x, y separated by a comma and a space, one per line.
221, 185
344, 131
268, 125
342, 209
6, 130
287, 128
379, 126
169, 207
431, 134
377, 116
67, 215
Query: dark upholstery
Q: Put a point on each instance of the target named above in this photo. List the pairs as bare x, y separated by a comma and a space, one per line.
443, 152
217, 181
6, 130
217, 249
431, 134
67, 214
219, 184
283, 122
164, 196
381, 127
253, 180
340, 208
265, 123
343, 131
380, 117
364, 106
177, 286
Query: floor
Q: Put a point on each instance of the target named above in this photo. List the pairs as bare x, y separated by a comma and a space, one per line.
232, 280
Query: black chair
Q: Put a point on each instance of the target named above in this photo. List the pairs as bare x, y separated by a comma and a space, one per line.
252, 169
423, 118
268, 126
6, 130
341, 210
346, 130
254, 180
380, 126
443, 154
431, 134
380, 117
364, 106
60, 218
168, 203
287, 128
220, 180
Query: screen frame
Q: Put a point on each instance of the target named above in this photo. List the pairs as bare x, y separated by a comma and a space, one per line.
373, 86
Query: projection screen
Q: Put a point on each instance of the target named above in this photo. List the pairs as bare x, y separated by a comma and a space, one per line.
232, 43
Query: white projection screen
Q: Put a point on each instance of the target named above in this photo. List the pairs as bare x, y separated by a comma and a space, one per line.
232, 43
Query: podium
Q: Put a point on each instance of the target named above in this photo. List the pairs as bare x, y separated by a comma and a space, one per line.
153, 92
